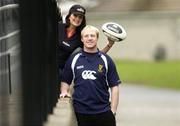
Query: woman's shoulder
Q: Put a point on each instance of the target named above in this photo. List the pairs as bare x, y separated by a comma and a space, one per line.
61, 24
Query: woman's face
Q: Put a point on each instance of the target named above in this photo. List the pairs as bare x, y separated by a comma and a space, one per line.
75, 19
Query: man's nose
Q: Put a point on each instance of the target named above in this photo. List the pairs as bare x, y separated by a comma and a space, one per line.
90, 36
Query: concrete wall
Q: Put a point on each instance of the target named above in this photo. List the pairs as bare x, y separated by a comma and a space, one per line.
145, 31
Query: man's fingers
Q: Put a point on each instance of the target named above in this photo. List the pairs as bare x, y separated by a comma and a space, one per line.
62, 95
65, 95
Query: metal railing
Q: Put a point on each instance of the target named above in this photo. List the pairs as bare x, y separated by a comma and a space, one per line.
7, 53
9, 6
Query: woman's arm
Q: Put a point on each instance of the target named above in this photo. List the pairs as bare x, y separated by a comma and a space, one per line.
108, 46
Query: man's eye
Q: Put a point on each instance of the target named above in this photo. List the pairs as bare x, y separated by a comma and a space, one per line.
86, 36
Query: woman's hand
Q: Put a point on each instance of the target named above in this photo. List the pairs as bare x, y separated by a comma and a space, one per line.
111, 43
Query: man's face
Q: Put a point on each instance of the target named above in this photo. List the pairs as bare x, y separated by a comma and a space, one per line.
89, 38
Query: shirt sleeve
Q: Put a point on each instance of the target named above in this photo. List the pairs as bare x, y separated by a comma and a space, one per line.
67, 75
112, 75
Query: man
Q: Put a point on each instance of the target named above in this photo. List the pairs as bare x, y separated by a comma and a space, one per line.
93, 73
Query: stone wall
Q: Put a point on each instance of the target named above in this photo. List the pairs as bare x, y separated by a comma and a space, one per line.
146, 31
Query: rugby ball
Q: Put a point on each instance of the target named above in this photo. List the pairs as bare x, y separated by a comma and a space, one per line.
114, 31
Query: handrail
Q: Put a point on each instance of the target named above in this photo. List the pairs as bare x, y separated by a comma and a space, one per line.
9, 35
11, 51
9, 6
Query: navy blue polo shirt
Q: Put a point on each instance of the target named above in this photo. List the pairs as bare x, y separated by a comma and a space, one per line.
93, 74
66, 45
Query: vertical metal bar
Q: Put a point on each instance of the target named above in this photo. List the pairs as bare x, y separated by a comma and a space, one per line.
9, 73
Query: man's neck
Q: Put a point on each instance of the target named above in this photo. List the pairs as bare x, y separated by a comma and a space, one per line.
91, 50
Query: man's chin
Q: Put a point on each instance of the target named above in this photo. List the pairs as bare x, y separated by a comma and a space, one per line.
91, 47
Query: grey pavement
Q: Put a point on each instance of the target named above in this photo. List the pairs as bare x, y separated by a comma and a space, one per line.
142, 106
138, 106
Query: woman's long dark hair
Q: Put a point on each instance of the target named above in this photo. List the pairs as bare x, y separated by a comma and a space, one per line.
79, 28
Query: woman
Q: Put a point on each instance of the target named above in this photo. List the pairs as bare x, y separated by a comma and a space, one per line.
70, 35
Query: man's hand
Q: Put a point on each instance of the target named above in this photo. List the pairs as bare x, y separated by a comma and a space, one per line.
113, 111
64, 90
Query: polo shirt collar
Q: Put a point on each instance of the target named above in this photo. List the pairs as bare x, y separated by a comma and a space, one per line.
84, 54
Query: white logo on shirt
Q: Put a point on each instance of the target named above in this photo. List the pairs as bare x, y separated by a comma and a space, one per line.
80, 67
88, 74
65, 43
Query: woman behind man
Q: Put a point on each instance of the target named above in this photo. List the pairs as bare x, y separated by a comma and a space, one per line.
70, 35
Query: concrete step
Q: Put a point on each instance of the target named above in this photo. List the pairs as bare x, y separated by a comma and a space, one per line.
63, 114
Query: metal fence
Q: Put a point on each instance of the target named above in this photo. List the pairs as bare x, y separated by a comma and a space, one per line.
28, 74
9, 46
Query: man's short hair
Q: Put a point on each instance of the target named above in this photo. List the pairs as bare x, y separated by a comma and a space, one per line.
91, 27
